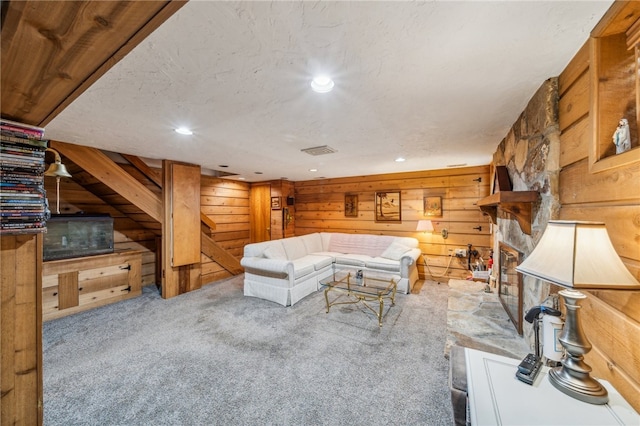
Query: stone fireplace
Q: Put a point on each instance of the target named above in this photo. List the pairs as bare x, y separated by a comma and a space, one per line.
531, 153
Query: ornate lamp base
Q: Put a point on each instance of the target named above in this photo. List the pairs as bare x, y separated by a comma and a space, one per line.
585, 389
573, 377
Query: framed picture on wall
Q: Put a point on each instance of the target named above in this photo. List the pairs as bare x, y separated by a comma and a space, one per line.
351, 205
388, 207
275, 203
433, 206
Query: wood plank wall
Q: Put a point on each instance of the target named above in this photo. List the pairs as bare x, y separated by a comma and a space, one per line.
319, 207
611, 319
280, 227
226, 202
21, 330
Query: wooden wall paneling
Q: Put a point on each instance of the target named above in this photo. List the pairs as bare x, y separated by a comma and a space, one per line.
575, 102
185, 214
617, 19
578, 186
626, 302
621, 221
609, 330
320, 207
21, 329
370, 182
575, 142
610, 318
625, 385
227, 203
576, 67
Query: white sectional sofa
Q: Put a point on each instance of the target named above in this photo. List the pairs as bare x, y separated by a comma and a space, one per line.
284, 271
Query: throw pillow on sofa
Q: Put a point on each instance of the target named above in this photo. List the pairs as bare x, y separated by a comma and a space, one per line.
275, 252
395, 251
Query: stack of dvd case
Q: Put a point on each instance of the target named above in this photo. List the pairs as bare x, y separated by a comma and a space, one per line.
23, 202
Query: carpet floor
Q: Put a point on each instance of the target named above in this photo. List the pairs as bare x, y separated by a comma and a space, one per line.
215, 357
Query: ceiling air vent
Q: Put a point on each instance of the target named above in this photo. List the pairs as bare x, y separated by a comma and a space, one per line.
319, 150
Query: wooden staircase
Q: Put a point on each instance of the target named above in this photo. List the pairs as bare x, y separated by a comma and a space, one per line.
137, 193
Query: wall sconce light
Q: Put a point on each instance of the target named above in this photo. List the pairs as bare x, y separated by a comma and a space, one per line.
577, 255
427, 226
57, 170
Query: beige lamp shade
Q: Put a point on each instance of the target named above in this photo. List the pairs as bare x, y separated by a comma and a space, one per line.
576, 254
424, 226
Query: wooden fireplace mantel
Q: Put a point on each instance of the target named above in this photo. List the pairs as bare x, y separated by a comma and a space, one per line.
517, 203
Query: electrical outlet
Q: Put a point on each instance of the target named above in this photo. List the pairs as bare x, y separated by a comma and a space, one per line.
461, 253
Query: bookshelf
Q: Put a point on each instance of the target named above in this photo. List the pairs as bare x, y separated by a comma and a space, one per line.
23, 202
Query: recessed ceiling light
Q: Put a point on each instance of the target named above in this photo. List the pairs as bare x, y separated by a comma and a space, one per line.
322, 84
258, 173
313, 170
223, 165
400, 160
184, 131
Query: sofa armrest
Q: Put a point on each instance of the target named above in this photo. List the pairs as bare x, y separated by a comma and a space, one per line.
410, 257
281, 268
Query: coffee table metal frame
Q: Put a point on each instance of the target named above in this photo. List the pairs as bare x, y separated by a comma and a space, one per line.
366, 289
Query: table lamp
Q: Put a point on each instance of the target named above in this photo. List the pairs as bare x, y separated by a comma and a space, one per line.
577, 255
427, 226
424, 226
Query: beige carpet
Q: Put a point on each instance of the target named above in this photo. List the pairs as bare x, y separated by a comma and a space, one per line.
477, 320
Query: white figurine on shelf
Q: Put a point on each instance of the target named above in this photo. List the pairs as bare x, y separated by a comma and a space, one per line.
622, 137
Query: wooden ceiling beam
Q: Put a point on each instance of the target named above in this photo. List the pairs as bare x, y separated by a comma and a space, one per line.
52, 51
115, 177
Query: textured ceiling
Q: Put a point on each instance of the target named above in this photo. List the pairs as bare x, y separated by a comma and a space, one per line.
438, 83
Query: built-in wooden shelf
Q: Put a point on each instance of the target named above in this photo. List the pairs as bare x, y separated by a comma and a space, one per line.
517, 203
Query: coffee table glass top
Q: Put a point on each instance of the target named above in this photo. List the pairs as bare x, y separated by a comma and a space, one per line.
367, 285
360, 289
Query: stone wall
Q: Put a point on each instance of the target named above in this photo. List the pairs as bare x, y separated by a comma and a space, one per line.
531, 153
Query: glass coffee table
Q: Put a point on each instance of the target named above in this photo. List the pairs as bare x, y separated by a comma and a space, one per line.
360, 289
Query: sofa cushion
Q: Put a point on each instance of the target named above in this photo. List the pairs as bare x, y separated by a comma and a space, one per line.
353, 259
320, 262
274, 251
312, 242
294, 247
304, 266
370, 245
395, 251
383, 264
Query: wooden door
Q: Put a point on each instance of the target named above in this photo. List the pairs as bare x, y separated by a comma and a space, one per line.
260, 213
